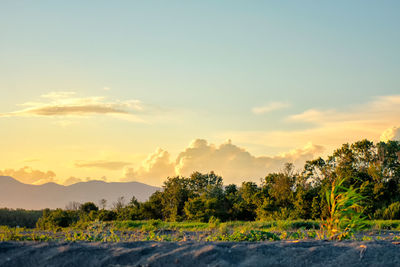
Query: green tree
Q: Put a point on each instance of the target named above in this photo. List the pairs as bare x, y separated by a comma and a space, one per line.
176, 193
88, 207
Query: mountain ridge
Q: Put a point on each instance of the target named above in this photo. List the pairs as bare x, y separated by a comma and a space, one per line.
14, 194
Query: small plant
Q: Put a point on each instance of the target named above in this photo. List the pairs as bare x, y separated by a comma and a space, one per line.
366, 238
345, 216
151, 225
239, 236
213, 222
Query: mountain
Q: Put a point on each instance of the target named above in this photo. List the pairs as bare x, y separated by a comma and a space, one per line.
14, 194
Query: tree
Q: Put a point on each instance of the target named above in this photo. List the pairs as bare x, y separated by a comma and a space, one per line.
153, 209
88, 207
134, 202
176, 193
119, 203
73, 205
247, 203
103, 203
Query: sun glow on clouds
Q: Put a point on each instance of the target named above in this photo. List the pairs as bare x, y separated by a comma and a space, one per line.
330, 127
234, 163
392, 133
63, 104
30, 176
270, 107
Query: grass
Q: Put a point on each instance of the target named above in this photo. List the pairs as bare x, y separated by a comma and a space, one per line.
199, 226
155, 230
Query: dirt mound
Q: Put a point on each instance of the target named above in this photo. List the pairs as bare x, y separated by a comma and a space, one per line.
282, 253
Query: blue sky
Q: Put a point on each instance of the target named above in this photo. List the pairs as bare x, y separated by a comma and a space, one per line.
199, 68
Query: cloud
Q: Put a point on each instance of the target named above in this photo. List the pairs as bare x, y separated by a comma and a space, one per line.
102, 164
312, 115
270, 107
29, 175
330, 127
72, 180
392, 133
233, 163
62, 104
153, 170
380, 109
58, 95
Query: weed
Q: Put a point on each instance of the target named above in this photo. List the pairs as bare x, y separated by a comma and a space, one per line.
345, 216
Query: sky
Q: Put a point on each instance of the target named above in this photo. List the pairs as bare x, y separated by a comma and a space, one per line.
142, 90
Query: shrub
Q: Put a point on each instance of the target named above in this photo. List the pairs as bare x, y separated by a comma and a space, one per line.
57, 218
392, 212
344, 211
107, 215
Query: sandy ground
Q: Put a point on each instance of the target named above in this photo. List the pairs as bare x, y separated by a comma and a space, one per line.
279, 253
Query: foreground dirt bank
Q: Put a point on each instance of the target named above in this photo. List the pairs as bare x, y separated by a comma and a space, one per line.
282, 253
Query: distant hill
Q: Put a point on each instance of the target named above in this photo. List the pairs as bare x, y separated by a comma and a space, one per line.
14, 194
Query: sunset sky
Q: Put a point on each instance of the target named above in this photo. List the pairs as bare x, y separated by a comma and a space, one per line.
142, 90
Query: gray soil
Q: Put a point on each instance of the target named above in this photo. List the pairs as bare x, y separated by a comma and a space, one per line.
279, 253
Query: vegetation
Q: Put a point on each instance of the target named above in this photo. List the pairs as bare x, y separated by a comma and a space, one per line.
157, 230
19, 217
358, 181
344, 211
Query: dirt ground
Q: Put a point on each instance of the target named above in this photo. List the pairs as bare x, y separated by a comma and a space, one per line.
279, 253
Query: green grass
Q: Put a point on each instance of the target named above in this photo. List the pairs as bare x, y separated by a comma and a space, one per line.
384, 225
199, 226
156, 230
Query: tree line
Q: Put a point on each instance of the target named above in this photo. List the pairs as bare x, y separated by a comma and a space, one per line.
372, 169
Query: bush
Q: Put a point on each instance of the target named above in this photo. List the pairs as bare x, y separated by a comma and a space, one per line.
392, 212
88, 207
19, 217
56, 219
107, 215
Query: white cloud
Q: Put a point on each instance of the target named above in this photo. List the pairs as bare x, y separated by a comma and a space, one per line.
270, 107
381, 109
233, 163
58, 95
312, 115
153, 170
63, 104
392, 133
330, 127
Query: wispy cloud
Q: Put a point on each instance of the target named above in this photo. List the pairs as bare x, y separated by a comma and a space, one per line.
330, 127
102, 164
62, 104
380, 109
270, 107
